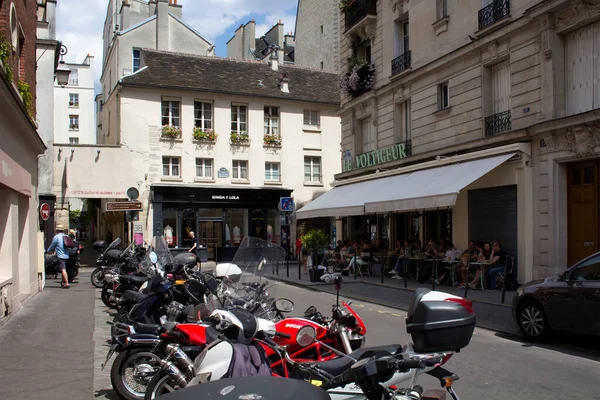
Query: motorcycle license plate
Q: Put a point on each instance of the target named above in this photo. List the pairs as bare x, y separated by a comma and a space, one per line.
109, 355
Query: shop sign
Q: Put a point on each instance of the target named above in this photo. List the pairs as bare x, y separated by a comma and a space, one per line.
225, 197
223, 173
375, 157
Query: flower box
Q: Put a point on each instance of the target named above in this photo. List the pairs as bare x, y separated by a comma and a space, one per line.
171, 132
358, 80
239, 138
206, 136
272, 140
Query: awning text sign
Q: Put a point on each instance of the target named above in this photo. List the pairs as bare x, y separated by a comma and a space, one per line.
124, 206
375, 157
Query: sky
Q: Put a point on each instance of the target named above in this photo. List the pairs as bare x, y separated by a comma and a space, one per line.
80, 23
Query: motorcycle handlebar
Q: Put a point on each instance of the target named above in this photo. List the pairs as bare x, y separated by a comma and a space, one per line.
283, 335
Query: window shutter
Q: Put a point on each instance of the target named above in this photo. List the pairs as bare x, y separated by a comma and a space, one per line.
501, 86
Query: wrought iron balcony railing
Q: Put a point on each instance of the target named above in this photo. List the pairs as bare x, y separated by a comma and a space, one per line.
496, 11
498, 123
359, 9
401, 63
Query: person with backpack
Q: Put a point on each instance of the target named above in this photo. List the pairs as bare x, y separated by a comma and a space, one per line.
73, 251
62, 252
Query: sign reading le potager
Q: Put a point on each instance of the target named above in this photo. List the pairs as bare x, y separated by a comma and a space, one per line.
375, 157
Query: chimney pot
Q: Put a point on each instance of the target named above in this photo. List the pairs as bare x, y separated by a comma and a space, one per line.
284, 84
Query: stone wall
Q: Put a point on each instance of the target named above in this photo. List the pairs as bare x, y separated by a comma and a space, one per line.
312, 46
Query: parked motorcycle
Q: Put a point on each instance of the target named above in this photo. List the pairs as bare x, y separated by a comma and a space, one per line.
108, 256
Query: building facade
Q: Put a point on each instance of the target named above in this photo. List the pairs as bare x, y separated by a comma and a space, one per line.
244, 44
132, 25
318, 28
473, 113
20, 146
209, 155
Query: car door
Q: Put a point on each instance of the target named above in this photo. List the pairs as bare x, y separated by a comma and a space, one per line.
584, 285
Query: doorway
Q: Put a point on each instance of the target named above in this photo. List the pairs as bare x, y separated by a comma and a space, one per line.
583, 230
210, 234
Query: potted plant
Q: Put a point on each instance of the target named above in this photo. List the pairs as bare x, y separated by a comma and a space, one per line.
358, 80
207, 135
171, 132
315, 241
239, 137
272, 140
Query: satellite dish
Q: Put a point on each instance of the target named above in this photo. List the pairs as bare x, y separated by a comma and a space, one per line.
133, 193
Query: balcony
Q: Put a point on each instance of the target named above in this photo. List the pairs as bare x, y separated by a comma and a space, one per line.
401, 63
497, 123
357, 10
496, 11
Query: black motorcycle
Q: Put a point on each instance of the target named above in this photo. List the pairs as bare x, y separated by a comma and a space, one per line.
107, 259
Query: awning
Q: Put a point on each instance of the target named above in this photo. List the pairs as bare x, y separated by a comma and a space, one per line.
422, 189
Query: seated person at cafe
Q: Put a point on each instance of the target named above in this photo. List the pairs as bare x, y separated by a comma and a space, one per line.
401, 253
431, 253
470, 254
484, 256
351, 255
451, 254
497, 263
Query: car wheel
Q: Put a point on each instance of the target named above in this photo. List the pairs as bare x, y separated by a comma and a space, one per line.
532, 321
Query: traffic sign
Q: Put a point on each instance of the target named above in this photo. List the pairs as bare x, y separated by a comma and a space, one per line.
133, 193
124, 206
286, 204
45, 211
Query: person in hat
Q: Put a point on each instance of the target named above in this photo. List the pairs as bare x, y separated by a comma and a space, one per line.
58, 247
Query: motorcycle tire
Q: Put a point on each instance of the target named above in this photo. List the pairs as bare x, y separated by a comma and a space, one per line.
112, 301
76, 269
98, 278
125, 389
161, 384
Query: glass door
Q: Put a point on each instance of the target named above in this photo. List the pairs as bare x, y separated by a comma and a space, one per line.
210, 234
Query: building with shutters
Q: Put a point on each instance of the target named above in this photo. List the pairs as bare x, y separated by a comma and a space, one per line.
468, 121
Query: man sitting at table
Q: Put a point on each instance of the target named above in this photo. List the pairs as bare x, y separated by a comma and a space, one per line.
351, 254
497, 263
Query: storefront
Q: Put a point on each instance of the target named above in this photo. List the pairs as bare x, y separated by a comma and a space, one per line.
220, 217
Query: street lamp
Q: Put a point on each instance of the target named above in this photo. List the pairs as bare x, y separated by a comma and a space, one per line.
62, 71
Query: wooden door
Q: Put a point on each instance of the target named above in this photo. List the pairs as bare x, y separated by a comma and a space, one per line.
582, 210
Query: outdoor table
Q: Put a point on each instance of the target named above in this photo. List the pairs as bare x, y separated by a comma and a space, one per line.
483, 264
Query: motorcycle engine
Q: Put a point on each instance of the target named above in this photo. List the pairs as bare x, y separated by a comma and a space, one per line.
174, 310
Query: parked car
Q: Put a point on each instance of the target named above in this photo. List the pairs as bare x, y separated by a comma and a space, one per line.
567, 302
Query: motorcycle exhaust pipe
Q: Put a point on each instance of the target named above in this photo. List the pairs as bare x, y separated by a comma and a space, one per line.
175, 352
174, 372
345, 341
130, 341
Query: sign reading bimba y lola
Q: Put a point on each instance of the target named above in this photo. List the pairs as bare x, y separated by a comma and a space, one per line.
376, 157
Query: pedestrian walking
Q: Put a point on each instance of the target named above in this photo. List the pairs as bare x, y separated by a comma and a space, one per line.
62, 253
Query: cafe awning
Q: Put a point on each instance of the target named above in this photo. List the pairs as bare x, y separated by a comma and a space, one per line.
418, 190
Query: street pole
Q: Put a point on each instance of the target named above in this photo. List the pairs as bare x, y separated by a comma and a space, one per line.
287, 262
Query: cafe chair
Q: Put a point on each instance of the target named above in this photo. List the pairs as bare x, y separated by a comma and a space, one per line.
363, 264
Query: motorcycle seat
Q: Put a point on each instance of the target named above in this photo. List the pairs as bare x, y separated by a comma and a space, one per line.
339, 365
134, 296
132, 279
147, 328
253, 285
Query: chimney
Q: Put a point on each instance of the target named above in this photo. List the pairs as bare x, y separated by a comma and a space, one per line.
274, 60
162, 25
284, 84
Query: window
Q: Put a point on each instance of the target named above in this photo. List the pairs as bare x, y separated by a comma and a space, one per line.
588, 271
73, 100
74, 77
136, 59
401, 37
442, 9
170, 112
171, 167
311, 118
271, 120
203, 115
368, 137
501, 87
73, 140
239, 118
312, 169
406, 36
240, 169
272, 172
443, 96
321, 29
74, 122
204, 168
402, 122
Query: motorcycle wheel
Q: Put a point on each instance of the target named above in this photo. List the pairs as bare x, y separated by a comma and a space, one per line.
161, 383
98, 277
111, 301
76, 269
128, 383
106, 295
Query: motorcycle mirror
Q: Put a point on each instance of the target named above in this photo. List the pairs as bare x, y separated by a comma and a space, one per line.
306, 336
153, 257
284, 305
310, 311
261, 264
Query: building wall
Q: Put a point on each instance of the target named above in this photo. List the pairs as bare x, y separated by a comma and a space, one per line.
310, 42
86, 133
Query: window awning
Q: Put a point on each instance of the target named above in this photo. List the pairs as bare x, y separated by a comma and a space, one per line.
422, 189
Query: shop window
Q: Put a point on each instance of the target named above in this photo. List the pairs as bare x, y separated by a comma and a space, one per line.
240, 169
170, 226
312, 169
204, 168
274, 227
272, 172
171, 167
239, 118
271, 121
203, 115
171, 112
311, 118
236, 226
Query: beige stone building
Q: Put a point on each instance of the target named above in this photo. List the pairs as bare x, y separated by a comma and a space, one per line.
480, 120
318, 34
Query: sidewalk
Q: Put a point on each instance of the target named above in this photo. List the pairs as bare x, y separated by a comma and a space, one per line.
491, 313
47, 349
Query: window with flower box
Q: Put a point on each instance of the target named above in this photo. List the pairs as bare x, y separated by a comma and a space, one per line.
272, 121
171, 114
74, 122
239, 118
73, 100
203, 115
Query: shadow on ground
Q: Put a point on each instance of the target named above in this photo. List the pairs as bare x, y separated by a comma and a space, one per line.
567, 343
